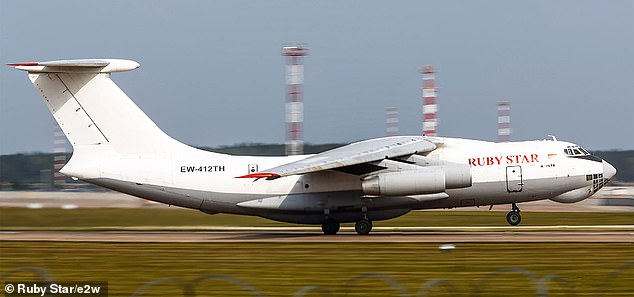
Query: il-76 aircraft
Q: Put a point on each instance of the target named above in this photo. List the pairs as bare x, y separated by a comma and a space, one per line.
118, 147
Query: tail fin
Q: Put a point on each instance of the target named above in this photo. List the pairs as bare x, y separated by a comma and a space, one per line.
90, 108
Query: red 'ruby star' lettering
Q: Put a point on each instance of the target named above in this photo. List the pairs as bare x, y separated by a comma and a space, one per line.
508, 160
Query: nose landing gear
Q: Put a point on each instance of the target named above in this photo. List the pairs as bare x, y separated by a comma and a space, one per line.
513, 217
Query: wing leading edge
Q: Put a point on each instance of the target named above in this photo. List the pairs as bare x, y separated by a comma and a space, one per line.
353, 154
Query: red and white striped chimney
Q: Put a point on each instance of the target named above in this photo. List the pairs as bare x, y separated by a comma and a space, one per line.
294, 98
391, 121
59, 156
504, 121
430, 107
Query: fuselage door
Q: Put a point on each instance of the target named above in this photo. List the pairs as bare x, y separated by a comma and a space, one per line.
514, 181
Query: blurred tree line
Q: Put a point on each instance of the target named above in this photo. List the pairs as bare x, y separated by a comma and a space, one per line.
18, 171
21, 171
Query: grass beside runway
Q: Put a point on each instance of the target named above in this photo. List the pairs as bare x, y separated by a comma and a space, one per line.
283, 269
19, 218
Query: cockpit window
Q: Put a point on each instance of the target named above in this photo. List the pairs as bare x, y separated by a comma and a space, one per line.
583, 151
575, 150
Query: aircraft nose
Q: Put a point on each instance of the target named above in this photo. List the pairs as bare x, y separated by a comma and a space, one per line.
608, 170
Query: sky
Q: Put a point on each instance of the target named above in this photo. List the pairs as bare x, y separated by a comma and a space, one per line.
212, 73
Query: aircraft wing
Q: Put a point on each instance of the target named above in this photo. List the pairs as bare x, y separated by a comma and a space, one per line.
353, 154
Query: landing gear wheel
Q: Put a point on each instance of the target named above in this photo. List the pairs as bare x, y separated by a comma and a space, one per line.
363, 227
330, 227
513, 218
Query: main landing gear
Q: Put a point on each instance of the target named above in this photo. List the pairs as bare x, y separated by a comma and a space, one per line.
513, 217
363, 226
331, 226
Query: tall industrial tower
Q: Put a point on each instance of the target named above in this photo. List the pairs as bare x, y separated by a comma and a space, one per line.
59, 156
391, 121
294, 98
430, 107
504, 121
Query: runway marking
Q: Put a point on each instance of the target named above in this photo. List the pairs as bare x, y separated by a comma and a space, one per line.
318, 229
346, 236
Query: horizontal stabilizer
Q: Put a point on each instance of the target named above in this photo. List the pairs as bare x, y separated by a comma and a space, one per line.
81, 66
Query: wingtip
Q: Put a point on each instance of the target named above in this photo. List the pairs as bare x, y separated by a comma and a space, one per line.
259, 175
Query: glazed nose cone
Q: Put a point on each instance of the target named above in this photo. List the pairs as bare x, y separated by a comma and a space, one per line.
608, 170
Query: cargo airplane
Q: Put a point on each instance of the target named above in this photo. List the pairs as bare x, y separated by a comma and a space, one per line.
118, 147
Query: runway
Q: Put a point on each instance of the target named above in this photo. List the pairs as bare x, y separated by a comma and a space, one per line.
588, 236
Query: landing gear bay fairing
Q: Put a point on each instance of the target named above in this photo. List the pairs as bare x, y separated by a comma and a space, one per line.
118, 147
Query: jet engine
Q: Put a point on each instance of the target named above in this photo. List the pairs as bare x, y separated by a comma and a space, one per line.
426, 180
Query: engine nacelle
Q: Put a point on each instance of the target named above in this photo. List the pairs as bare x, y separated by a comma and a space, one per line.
457, 176
427, 180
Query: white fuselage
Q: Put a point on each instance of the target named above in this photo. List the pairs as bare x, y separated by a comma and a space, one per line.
502, 173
